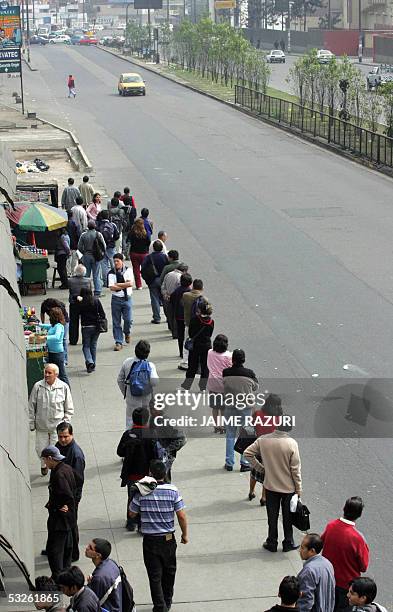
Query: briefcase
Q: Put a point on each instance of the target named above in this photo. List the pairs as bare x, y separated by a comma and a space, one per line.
301, 518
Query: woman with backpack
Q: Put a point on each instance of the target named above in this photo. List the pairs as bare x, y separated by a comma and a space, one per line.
198, 344
139, 247
136, 380
92, 315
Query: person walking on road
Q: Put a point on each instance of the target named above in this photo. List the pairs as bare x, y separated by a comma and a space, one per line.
316, 578
91, 313
106, 575
136, 380
86, 191
75, 285
50, 403
62, 253
71, 86
151, 269
120, 283
218, 359
280, 460
55, 341
157, 512
69, 195
139, 248
61, 510
87, 246
200, 332
79, 214
346, 549
289, 593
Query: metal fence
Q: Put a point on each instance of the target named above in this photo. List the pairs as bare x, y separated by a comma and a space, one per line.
367, 144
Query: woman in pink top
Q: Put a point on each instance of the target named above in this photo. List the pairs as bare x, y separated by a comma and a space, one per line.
94, 208
218, 358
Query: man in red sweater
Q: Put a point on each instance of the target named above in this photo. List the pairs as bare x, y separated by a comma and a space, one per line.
346, 549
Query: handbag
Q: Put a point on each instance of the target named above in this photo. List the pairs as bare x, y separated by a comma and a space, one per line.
102, 323
301, 518
246, 437
189, 342
149, 271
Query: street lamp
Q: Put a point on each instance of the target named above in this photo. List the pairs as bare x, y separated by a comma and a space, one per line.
360, 48
290, 5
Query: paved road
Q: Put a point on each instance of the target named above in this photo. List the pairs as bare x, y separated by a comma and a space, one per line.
293, 243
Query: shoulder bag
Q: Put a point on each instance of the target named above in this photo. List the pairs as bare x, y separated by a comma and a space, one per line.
102, 322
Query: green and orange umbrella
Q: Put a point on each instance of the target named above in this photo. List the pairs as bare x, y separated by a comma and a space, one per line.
37, 216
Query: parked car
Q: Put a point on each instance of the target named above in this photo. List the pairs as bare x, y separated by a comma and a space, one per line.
39, 40
324, 56
62, 38
379, 75
131, 84
88, 40
106, 41
276, 56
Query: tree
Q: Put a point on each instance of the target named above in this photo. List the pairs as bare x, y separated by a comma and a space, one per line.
335, 19
302, 8
373, 109
386, 91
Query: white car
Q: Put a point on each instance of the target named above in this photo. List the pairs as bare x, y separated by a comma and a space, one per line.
121, 26
276, 56
98, 27
324, 56
62, 38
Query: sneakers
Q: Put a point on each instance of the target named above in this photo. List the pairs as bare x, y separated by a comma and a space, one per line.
117, 347
128, 338
182, 366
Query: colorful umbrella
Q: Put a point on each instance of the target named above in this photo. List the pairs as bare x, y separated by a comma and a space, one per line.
37, 216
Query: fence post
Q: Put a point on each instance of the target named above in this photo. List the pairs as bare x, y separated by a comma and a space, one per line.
302, 126
329, 128
279, 112
290, 120
235, 94
268, 107
379, 150
315, 124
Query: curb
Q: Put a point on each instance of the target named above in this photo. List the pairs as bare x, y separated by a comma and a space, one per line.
28, 64
323, 145
86, 161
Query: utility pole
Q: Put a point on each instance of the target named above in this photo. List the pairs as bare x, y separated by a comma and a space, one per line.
360, 48
329, 15
167, 11
149, 27
289, 26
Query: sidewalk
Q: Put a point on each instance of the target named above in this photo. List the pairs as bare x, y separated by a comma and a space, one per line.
223, 567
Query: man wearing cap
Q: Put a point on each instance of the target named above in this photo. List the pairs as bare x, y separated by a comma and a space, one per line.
61, 508
50, 403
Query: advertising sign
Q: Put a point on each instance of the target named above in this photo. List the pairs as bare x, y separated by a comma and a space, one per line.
147, 4
10, 31
224, 4
9, 60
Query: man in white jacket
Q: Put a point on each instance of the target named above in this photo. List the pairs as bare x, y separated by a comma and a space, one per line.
50, 403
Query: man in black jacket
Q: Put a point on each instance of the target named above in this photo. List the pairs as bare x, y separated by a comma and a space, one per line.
137, 446
61, 509
76, 459
72, 584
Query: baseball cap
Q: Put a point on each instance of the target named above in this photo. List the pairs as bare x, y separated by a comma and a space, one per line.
53, 452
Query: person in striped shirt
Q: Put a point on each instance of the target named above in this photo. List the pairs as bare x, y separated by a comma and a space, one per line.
157, 511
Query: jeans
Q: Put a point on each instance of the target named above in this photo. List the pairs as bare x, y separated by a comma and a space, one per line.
92, 265
74, 324
107, 264
121, 307
89, 343
273, 502
155, 299
231, 434
65, 342
137, 261
159, 556
58, 359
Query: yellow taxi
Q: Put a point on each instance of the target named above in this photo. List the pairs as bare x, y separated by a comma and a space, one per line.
131, 84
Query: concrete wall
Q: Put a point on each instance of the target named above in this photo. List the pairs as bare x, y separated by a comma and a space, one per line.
383, 49
338, 41
15, 493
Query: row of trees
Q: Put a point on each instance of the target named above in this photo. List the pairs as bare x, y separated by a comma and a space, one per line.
265, 13
340, 88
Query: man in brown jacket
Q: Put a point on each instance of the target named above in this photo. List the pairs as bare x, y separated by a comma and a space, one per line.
281, 463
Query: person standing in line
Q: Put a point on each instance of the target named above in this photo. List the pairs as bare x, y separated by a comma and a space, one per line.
280, 460
61, 510
79, 214
361, 595
218, 359
94, 207
137, 449
74, 232
71, 86
146, 221
316, 579
69, 195
62, 253
50, 403
162, 237
170, 284
110, 234
173, 262
127, 194
55, 341
105, 575
74, 457
151, 269
346, 549
128, 222
157, 512
176, 302
75, 285
190, 301
86, 191
289, 593
120, 283
200, 332
130, 373
116, 210
91, 312
139, 247
86, 246
46, 307
72, 584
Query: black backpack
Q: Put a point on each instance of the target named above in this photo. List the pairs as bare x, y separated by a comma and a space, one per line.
98, 249
128, 603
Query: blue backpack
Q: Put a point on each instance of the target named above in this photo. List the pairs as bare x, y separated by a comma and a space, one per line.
162, 454
138, 378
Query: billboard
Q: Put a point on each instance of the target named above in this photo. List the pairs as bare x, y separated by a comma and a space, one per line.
10, 32
147, 4
9, 60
